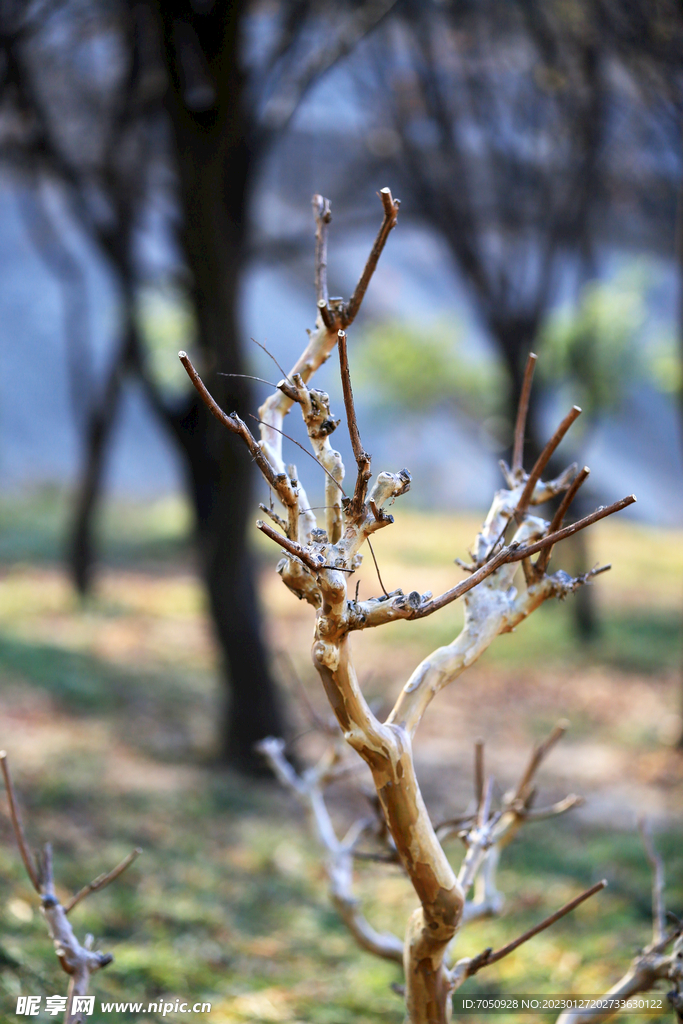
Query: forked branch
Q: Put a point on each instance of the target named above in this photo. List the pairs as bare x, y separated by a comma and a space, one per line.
317, 565
78, 961
391, 207
489, 956
363, 460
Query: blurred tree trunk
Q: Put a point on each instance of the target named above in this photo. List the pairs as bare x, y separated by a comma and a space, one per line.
214, 168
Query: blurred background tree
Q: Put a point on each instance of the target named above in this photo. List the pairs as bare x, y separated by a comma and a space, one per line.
128, 107
530, 138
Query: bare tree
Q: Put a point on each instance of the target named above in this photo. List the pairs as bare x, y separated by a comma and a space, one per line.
317, 565
499, 108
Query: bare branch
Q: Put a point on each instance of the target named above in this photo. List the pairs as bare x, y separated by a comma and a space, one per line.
24, 849
363, 460
568, 531
538, 756
561, 807
558, 518
78, 961
340, 853
543, 460
487, 957
391, 206
522, 412
506, 555
290, 546
379, 577
102, 880
304, 450
233, 422
272, 514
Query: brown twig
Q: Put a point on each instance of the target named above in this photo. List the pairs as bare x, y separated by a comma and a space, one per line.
24, 850
372, 552
237, 426
291, 547
391, 206
538, 755
272, 514
558, 518
543, 460
522, 412
248, 376
102, 880
487, 957
363, 460
503, 556
515, 553
568, 531
271, 356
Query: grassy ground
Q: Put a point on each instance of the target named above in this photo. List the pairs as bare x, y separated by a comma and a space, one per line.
109, 712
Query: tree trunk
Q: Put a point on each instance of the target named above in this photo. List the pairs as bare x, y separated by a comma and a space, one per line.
80, 545
214, 167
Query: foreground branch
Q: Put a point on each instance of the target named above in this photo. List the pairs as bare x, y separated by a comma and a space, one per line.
340, 853
78, 961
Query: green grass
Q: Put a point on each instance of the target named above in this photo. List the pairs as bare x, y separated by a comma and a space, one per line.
229, 903
34, 526
231, 907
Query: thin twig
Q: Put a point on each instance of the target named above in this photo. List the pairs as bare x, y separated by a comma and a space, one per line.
538, 755
204, 393
561, 807
292, 548
391, 206
272, 514
568, 531
268, 353
303, 449
543, 460
384, 589
503, 556
233, 422
558, 518
102, 880
522, 412
515, 553
452, 823
361, 456
24, 850
248, 376
489, 957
